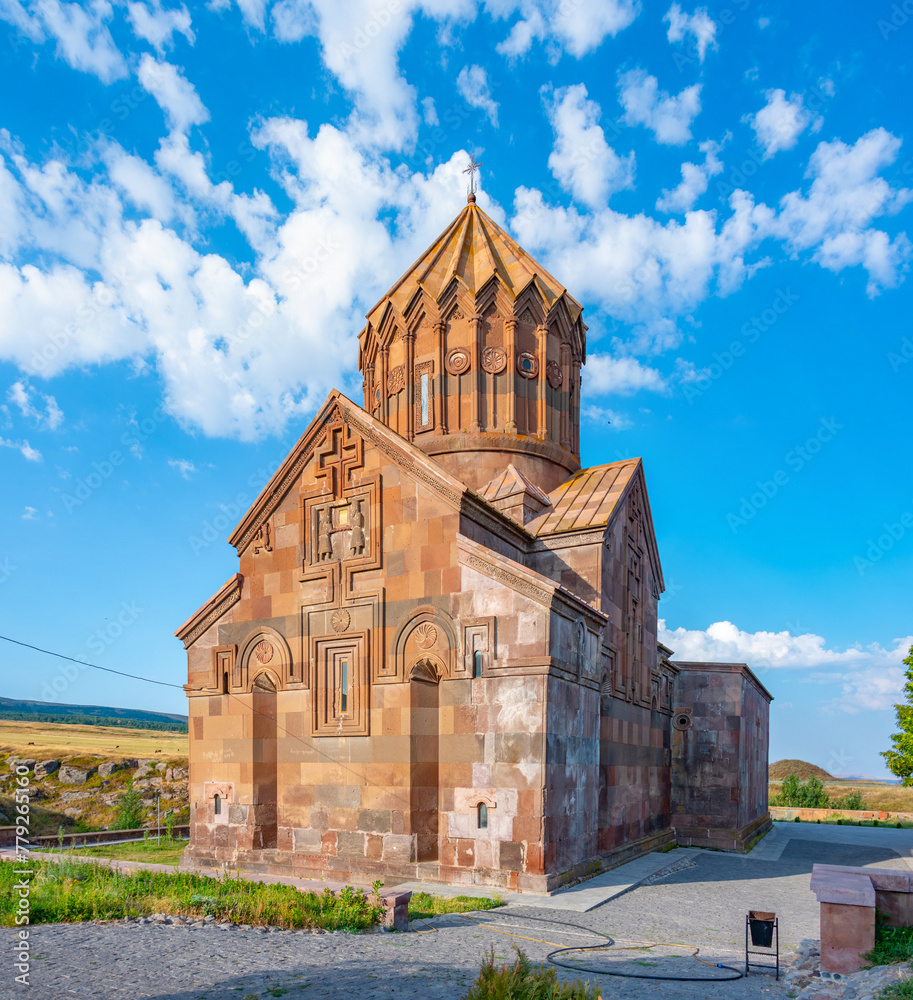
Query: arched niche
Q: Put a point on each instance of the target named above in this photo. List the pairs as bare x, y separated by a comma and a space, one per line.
426, 634
264, 651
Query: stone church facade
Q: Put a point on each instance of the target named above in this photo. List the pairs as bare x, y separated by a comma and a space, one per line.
438, 658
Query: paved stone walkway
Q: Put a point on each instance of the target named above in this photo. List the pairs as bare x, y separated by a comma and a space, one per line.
703, 905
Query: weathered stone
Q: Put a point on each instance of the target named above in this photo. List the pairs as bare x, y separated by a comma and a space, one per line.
108, 768
69, 775
142, 772
46, 767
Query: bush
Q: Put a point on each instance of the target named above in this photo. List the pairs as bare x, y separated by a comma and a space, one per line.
808, 794
129, 809
852, 800
521, 981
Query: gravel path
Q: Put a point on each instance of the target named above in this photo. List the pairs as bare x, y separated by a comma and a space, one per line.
703, 904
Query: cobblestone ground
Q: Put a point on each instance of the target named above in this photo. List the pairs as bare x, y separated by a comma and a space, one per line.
703, 905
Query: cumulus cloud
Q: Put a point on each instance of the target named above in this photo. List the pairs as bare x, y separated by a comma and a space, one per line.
781, 121
24, 448
46, 414
699, 25
604, 417
577, 28
175, 95
668, 117
581, 160
869, 677
472, 85
79, 29
157, 25
695, 178
184, 467
608, 374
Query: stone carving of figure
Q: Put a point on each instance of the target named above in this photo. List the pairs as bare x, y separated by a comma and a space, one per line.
324, 541
357, 523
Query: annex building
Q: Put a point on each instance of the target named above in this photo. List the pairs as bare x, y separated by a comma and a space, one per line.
438, 658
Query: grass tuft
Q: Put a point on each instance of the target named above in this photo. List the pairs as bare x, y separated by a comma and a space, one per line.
892, 944
521, 981
423, 905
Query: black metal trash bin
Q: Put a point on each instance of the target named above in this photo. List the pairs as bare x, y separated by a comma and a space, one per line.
762, 928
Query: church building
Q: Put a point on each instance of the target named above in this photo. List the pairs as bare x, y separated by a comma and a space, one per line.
438, 658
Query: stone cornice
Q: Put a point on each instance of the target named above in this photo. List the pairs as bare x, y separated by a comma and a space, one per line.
226, 597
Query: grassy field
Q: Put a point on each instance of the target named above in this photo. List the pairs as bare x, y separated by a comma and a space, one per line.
423, 904
49, 739
877, 795
168, 852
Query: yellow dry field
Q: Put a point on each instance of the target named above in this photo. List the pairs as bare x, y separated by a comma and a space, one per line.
51, 739
875, 794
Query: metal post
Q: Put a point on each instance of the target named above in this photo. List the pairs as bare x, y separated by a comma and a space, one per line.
158, 819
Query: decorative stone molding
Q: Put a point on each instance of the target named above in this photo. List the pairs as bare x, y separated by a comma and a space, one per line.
494, 360
554, 375
458, 361
211, 612
396, 380
527, 364
340, 620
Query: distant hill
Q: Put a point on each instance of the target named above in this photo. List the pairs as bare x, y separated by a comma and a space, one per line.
93, 715
800, 768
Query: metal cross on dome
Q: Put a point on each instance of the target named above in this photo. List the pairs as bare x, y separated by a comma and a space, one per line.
471, 170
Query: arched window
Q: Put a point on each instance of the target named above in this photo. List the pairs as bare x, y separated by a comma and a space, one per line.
483, 816
477, 663
217, 805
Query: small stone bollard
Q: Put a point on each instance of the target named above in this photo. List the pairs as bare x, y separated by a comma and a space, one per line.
396, 906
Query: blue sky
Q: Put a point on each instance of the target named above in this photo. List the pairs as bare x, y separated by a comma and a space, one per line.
198, 205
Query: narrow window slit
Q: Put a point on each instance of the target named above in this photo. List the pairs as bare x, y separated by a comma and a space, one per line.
483, 816
477, 663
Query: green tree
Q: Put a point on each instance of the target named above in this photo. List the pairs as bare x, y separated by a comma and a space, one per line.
129, 809
809, 794
900, 759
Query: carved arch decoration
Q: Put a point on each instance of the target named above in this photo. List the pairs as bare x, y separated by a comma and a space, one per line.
264, 651
426, 641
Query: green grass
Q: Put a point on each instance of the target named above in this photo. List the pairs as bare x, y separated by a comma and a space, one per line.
892, 944
167, 853
521, 981
71, 891
897, 991
424, 905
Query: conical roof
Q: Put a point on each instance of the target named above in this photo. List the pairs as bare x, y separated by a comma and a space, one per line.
473, 249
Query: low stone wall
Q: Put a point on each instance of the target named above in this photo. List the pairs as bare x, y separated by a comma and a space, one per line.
8, 837
810, 815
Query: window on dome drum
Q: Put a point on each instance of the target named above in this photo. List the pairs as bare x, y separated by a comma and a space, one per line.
477, 663
424, 399
343, 687
483, 816
217, 805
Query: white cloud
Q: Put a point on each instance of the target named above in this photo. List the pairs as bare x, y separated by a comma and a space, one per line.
46, 415
607, 374
29, 514
80, 30
184, 467
157, 25
582, 161
27, 451
640, 271
846, 195
699, 25
606, 418
175, 95
781, 121
695, 178
429, 112
472, 85
870, 677
668, 117
578, 28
